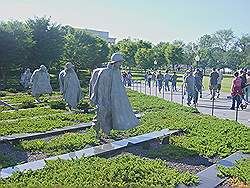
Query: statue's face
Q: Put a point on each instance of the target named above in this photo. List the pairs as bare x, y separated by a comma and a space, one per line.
117, 64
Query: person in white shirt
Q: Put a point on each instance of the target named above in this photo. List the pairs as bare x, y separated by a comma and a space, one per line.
219, 81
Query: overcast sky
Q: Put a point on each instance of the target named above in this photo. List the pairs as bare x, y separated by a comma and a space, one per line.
153, 20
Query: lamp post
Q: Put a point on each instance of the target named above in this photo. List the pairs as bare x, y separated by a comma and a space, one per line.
155, 63
197, 59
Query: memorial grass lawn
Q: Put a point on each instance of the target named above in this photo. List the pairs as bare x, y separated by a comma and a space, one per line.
202, 135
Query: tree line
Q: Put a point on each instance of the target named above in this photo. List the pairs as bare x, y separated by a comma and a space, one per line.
40, 41
222, 49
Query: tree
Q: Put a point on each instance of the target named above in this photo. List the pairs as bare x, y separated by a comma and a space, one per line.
159, 54
128, 48
189, 54
84, 50
49, 41
174, 54
145, 58
15, 44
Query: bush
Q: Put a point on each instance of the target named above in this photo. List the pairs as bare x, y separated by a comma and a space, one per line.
12, 90
2, 94
241, 171
58, 105
83, 104
27, 104
121, 171
65, 143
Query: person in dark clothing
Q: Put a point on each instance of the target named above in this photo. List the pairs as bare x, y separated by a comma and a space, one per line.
213, 83
149, 79
159, 79
243, 77
200, 75
198, 86
174, 81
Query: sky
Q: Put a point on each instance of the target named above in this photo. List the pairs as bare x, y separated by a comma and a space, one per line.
152, 20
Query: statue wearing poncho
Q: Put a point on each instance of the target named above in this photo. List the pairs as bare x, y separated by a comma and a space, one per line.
40, 80
70, 86
107, 92
25, 78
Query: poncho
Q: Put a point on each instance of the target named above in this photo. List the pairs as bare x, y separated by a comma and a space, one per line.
40, 80
70, 87
108, 93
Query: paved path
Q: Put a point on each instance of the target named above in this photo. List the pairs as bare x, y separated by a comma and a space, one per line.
221, 109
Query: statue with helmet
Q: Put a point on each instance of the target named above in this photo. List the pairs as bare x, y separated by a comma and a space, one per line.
25, 78
70, 86
108, 93
40, 81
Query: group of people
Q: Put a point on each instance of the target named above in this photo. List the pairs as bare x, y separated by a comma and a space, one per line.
240, 89
127, 78
39, 81
159, 79
193, 85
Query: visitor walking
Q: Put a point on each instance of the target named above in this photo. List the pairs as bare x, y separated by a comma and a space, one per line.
124, 78
200, 74
174, 81
213, 83
149, 79
219, 81
129, 78
159, 78
236, 91
167, 79
243, 77
247, 88
154, 79
189, 82
198, 86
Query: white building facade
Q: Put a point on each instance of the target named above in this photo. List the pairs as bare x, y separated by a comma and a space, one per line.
102, 34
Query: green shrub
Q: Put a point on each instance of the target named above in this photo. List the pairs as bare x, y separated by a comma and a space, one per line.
58, 105
3, 93
171, 152
83, 104
121, 171
41, 124
204, 134
240, 170
29, 113
62, 144
12, 90
27, 104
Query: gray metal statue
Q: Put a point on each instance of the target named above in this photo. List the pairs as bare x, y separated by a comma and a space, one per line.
108, 93
40, 81
70, 86
25, 78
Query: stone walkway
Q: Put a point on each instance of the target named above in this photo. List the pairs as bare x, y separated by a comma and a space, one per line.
221, 105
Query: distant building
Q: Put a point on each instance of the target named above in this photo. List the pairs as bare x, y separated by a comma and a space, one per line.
102, 34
